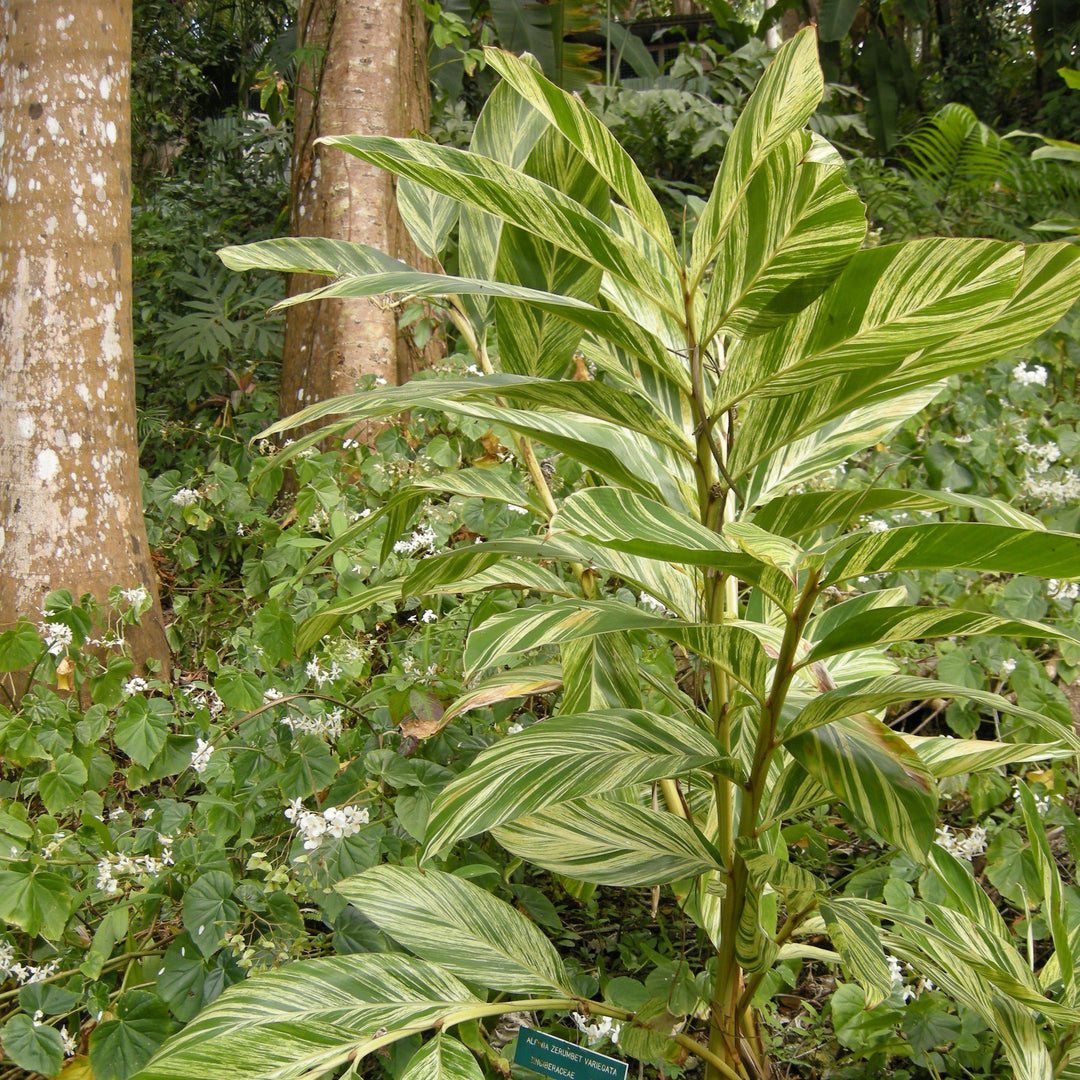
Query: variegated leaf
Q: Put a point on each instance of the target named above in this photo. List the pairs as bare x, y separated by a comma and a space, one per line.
869, 695
858, 941
776, 551
567, 757
599, 672
805, 514
947, 756
442, 1058
782, 103
1053, 894
879, 777
792, 232
505, 685
459, 926
627, 521
609, 843
890, 303
310, 1017
755, 949
507, 193
959, 879
531, 341
796, 885
427, 215
585, 132
312, 255
734, 648
958, 546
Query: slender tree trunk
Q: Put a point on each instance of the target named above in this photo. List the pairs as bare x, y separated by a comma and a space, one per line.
367, 77
71, 511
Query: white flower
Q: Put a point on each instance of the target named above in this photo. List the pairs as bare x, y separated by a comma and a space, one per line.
135, 686
57, 636
877, 526
1008, 667
514, 508
185, 497
650, 602
962, 847
513, 729
135, 596
1021, 374
271, 694
895, 973
605, 1028
1060, 591
200, 756
70, 1042
428, 616
422, 538
321, 675
325, 727
338, 822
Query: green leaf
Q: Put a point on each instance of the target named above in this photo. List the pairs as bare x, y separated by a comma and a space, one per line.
609, 843
61, 787
796, 885
34, 1047
599, 672
957, 546
755, 949
947, 756
427, 215
442, 1058
209, 910
120, 1048
782, 103
36, 900
565, 758
141, 732
878, 776
313, 1015
19, 647
457, 925
858, 941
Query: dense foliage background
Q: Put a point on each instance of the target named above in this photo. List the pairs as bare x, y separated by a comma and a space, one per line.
160, 842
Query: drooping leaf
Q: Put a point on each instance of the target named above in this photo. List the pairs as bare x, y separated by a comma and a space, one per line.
858, 941
504, 685
610, 843
878, 776
564, 758
442, 1058
310, 1014
457, 925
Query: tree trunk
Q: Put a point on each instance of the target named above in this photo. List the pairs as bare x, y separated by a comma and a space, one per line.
370, 80
71, 511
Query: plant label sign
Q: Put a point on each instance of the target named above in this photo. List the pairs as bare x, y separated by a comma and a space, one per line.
562, 1060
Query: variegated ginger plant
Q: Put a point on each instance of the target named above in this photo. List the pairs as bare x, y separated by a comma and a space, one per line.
728, 376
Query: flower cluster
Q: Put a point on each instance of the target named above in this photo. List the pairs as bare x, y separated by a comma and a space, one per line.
208, 699
962, 847
337, 822
1042, 802
135, 686
897, 976
1060, 590
185, 496
646, 600
111, 867
57, 636
325, 727
24, 973
320, 674
1049, 490
1022, 375
605, 1028
200, 756
421, 539
1045, 454
135, 596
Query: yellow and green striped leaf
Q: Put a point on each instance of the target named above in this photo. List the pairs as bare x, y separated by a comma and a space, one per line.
310, 1017
858, 941
442, 1058
563, 758
957, 546
869, 695
946, 756
796, 226
877, 775
459, 926
609, 843
733, 648
599, 672
589, 136
505, 685
511, 195
784, 100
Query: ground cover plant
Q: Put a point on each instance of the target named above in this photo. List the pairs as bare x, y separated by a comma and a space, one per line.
712, 385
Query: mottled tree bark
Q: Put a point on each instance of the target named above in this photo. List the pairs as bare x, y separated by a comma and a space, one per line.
371, 80
70, 503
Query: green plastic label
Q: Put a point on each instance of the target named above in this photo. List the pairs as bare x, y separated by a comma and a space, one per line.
562, 1060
